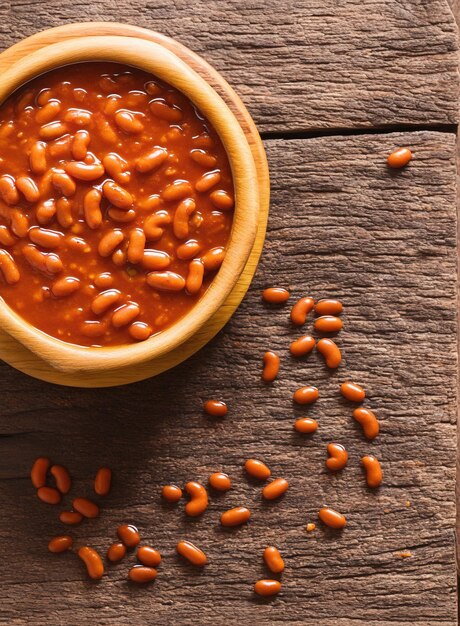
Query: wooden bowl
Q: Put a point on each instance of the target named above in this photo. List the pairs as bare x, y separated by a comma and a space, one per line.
161, 62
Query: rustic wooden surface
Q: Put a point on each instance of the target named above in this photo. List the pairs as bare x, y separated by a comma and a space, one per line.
340, 224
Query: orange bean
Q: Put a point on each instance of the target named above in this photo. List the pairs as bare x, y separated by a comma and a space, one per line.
266, 587
399, 158
129, 535
166, 281
125, 314
302, 346
46, 262
66, 286
188, 250
198, 499
93, 562
374, 474
275, 489
92, 208
79, 117
111, 240
148, 556
154, 225
328, 324
61, 543
151, 161
213, 258
301, 309
306, 425
104, 280
162, 110
136, 245
119, 258
275, 295
38, 472
62, 477
116, 168
257, 469
28, 188
203, 158
117, 195
328, 306
271, 366
46, 210
48, 112
53, 130
93, 328
84, 171
63, 210
181, 217
103, 481
49, 495
352, 391
178, 190
80, 144
332, 518
116, 552
103, 301
140, 331
141, 574
151, 203
220, 481
70, 517
128, 122
64, 183
171, 493
330, 351
120, 215
207, 181
273, 560
368, 421
8, 268
222, 200
192, 553
306, 395
19, 223
216, 408
235, 517
8, 190
194, 280
86, 507
44, 237
37, 158
338, 457
6, 238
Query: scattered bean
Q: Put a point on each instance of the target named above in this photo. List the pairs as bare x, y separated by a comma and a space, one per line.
302, 346
330, 351
352, 391
301, 309
271, 366
235, 517
399, 158
306, 425
192, 553
61, 543
257, 469
273, 560
171, 493
129, 535
86, 507
62, 477
116, 552
332, 518
275, 489
374, 474
148, 556
338, 457
103, 481
368, 421
198, 499
39, 471
328, 324
306, 395
220, 481
93, 562
266, 587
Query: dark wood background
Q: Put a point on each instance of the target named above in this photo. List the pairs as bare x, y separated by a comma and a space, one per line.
334, 86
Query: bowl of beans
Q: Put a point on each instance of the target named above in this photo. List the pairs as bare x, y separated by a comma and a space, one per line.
128, 202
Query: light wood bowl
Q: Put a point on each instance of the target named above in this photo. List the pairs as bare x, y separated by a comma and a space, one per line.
161, 62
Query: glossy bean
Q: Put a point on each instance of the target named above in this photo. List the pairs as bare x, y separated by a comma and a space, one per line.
6, 238
92, 208
220, 481
271, 362
306, 395
116, 168
203, 158
338, 457
72, 518
171, 493
86, 507
330, 351
59, 148
62, 477
103, 481
148, 556
222, 200
19, 223
151, 161
181, 218
39, 471
198, 499
116, 552
328, 324
49, 495
332, 518
62, 181
60, 543
46, 262
194, 280
328, 306
8, 268
213, 259
141, 574
208, 181
399, 158
136, 245
216, 408
8, 190
235, 517
128, 122
166, 281
80, 144
154, 225
52, 130
178, 190
352, 391
193, 554
306, 425
275, 489
275, 295
302, 346
368, 421
64, 287
117, 195
373, 469
37, 158
188, 250
28, 188
120, 215
257, 469
162, 110
92, 561
93, 329
301, 309
125, 314
273, 560
79, 117
111, 240
267, 587
44, 237
140, 331
129, 535
84, 171
48, 112
63, 210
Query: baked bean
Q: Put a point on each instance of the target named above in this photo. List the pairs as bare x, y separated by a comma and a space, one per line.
222, 200
84, 171
148, 556
266, 587
79, 117
161, 109
129, 535
368, 421
220, 481
213, 259
107, 133
140, 331
60, 148
352, 391
257, 469
49, 495
6, 238
19, 223
80, 144
306, 395
338, 457
116, 552
28, 188
181, 217
8, 268
216, 408
65, 286
128, 122
235, 517
92, 208
330, 351
198, 499
120, 215
194, 280
374, 474
193, 554
328, 306
86, 507
332, 518
93, 328
93, 562
171, 493
306, 425
275, 295
8, 190
37, 158
328, 324
111, 240
64, 183
178, 190
136, 245
188, 250
62, 477
203, 141
53, 130
38, 472
203, 158
48, 112
6, 130
208, 181
141, 574
103, 481
45, 238
63, 210
70, 517
273, 560
119, 258
271, 366
275, 489
399, 158
112, 104
151, 203
61, 543
117, 195
301, 309
46, 210
151, 161
46, 262
116, 168
166, 281
125, 314
302, 346
153, 225
155, 259
104, 280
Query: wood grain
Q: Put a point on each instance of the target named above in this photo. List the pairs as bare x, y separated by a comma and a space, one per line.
341, 224
312, 64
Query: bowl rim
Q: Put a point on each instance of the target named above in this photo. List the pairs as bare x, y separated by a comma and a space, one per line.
157, 60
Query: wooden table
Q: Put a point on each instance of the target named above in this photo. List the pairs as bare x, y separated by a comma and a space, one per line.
334, 86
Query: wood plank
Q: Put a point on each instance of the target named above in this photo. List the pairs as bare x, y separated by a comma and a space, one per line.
342, 225
315, 64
